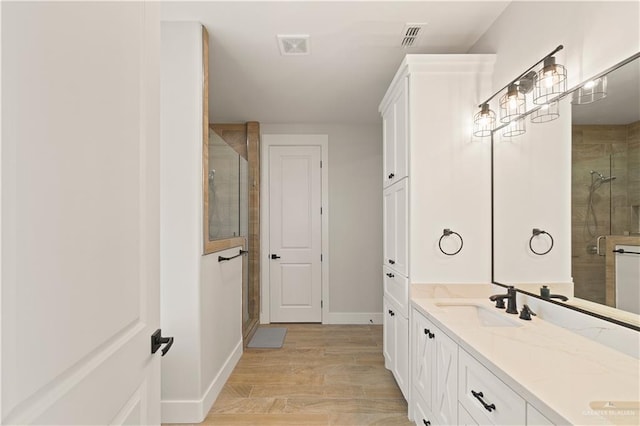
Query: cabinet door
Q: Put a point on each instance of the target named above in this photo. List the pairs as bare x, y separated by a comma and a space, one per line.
422, 358
445, 393
401, 371
422, 415
396, 223
389, 144
388, 336
402, 132
395, 133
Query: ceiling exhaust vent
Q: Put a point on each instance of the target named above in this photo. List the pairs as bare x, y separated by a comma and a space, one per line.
411, 34
293, 44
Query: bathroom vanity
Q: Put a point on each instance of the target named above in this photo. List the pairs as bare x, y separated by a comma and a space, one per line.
475, 364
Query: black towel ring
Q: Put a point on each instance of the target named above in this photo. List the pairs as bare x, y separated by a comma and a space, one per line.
445, 233
535, 233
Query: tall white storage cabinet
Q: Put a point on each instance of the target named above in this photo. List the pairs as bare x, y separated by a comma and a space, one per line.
436, 175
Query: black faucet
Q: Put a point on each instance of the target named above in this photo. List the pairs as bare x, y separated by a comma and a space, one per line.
511, 300
546, 294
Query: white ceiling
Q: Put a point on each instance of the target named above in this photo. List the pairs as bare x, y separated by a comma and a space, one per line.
355, 51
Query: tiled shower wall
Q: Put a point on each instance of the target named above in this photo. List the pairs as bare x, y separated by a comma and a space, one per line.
612, 150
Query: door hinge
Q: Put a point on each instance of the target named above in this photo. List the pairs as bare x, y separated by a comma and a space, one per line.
321, 305
320, 210
320, 258
320, 163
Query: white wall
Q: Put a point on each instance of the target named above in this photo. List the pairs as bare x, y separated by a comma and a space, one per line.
200, 298
595, 35
355, 217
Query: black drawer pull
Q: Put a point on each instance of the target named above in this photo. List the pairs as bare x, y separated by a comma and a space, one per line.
479, 396
426, 422
392, 262
390, 275
391, 312
391, 175
429, 333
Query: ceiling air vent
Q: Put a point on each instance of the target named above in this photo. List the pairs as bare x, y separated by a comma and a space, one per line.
293, 44
411, 34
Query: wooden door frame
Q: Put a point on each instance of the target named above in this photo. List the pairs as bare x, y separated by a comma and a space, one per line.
247, 146
267, 141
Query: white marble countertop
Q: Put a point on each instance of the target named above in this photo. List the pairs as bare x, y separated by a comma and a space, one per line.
564, 375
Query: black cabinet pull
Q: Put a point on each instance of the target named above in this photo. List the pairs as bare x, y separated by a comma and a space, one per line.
392, 262
391, 175
429, 334
390, 275
275, 256
479, 396
391, 312
426, 422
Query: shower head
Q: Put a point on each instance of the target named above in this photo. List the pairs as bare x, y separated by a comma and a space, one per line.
600, 177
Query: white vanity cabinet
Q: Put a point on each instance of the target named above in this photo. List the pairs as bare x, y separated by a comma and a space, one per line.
434, 372
451, 387
433, 173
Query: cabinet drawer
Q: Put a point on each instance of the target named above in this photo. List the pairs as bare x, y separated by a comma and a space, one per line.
396, 288
464, 418
505, 406
536, 418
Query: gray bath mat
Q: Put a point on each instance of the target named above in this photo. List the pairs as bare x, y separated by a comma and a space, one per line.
268, 338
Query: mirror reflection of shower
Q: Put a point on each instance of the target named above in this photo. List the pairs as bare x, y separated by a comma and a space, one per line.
591, 219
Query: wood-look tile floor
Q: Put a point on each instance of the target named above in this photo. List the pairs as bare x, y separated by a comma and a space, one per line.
323, 375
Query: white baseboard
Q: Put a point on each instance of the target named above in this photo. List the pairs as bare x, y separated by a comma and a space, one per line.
194, 411
353, 318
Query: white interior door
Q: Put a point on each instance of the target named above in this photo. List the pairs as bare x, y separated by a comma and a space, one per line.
295, 249
80, 213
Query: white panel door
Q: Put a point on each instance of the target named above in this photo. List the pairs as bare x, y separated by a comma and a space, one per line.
295, 233
80, 213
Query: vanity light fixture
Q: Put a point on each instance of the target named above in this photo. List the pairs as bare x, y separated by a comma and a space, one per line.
548, 85
547, 112
484, 121
591, 91
551, 81
512, 104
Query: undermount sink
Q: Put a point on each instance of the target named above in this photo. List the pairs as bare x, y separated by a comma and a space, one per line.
478, 313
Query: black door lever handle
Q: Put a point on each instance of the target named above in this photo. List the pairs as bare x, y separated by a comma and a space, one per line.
157, 340
275, 256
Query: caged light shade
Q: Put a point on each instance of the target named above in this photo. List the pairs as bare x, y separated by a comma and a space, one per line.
484, 122
515, 128
547, 112
591, 91
550, 82
512, 104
